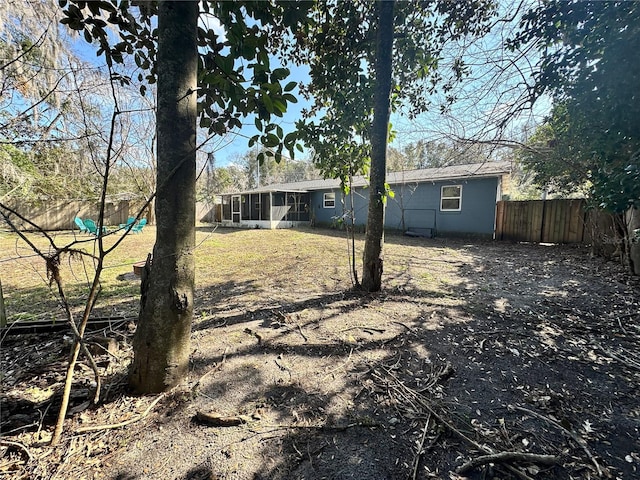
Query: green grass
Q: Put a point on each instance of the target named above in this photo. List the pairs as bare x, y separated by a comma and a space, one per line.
28, 294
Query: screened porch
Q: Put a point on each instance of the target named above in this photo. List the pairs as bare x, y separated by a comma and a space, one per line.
266, 209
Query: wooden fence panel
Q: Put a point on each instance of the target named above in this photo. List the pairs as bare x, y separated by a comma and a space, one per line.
60, 215
547, 221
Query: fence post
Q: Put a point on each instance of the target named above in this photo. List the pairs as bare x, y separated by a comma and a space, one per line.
500, 206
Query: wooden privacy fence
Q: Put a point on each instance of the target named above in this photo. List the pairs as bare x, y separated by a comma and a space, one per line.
59, 215
546, 221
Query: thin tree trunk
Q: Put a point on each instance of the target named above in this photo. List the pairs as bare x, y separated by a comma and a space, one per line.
3, 313
161, 343
374, 237
356, 282
75, 349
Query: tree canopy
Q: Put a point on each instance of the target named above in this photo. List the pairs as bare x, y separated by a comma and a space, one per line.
589, 65
236, 77
341, 48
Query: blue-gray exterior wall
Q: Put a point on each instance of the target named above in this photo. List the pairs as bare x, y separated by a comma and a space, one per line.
331, 216
421, 205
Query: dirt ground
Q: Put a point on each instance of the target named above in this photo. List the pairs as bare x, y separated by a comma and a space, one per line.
478, 360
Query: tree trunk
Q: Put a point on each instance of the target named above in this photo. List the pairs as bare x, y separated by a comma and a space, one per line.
3, 313
374, 238
161, 343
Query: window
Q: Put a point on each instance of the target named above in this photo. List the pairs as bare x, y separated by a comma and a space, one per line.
329, 200
451, 198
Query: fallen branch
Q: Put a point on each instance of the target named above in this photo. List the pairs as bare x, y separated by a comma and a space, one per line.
365, 328
628, 362
418, 455
300, 330
412, 396
503, 457
215, 420
412, 330
579, 440
95, 428
17, 445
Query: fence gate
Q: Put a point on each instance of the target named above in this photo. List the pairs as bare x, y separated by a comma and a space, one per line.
546, 221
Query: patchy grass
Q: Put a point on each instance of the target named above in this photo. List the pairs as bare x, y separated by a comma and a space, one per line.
266, 261
26, 283
269, 260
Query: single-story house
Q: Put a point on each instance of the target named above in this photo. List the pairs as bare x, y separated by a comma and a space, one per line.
456, 200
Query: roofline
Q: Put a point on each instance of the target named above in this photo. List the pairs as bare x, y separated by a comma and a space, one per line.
502, 168
266, 190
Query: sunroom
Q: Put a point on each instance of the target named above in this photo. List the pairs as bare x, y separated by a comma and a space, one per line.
266, 208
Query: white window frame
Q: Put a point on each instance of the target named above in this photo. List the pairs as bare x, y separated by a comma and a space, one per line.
457, 197
329, 200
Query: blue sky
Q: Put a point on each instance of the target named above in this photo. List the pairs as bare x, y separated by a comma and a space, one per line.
482, 101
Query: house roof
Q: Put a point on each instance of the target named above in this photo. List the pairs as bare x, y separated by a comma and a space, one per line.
455, 172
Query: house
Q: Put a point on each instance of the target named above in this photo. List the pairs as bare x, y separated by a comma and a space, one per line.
454, 200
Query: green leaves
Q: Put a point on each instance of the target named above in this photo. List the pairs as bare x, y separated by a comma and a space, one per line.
589, 66
74, 18
388, 193
229, 87
342, 47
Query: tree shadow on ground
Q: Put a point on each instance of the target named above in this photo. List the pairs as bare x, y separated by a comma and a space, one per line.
517, 347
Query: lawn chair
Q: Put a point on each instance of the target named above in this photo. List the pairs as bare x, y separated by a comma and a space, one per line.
137, 228
78, 222
130, 220
92, 227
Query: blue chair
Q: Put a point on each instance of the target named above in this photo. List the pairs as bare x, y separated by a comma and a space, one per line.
78, 222
137, 228
92, 227
130, 220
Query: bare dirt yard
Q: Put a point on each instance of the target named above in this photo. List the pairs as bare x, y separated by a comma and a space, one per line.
478, 360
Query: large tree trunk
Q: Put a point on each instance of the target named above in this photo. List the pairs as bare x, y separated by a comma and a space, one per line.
374, 238
161, 343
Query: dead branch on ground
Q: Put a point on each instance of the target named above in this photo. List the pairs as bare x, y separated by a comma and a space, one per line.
95, 428
579, 440
508, 457
420, 451
420, 406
